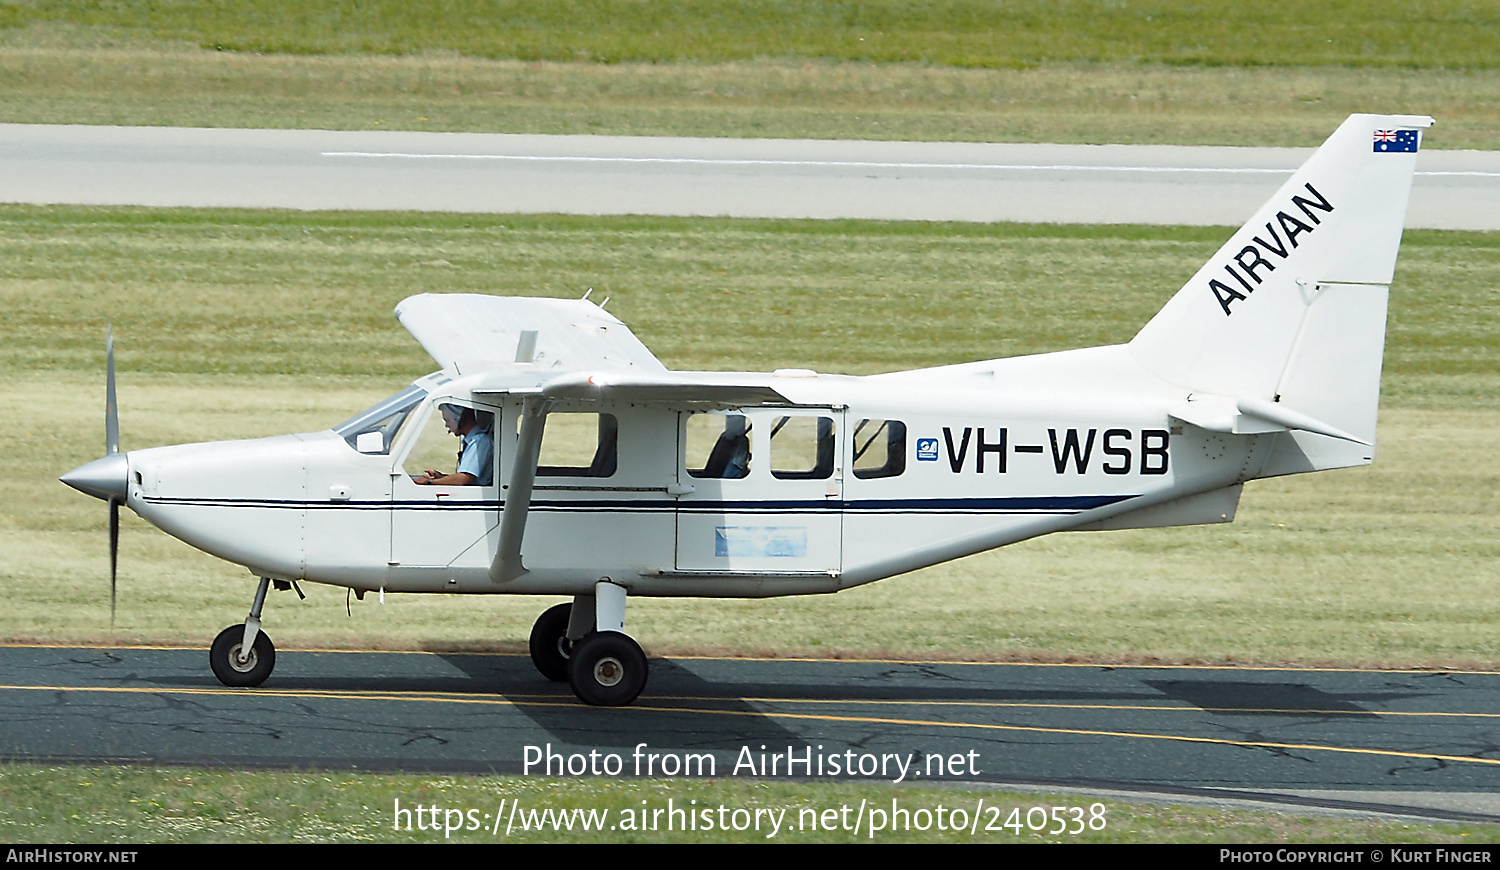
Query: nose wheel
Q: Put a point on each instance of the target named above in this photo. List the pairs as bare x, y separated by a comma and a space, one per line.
242, 655
233, 666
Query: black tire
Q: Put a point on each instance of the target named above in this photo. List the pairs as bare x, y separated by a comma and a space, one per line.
223, 657
550, 646
607, 669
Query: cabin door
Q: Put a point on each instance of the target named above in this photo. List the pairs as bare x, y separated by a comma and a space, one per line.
761, 491
432, 525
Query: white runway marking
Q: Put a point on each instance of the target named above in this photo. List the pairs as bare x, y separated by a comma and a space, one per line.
850, 164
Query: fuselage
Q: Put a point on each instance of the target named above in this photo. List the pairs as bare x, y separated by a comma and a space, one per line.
853, 480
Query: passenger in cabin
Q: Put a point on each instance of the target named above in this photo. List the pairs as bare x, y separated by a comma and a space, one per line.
476, 465
730, 458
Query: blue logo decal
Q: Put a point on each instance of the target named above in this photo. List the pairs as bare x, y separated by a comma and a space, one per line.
927, 449
747, 542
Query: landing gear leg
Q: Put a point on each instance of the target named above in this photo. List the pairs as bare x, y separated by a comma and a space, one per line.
606, 668
242, 655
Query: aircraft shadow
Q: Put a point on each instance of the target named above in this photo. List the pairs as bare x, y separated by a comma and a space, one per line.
737, 695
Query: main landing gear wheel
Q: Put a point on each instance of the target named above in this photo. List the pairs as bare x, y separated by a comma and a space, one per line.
550, 647
224, 658
607, 669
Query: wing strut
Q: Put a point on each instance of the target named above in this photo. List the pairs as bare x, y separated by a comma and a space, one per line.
507, 565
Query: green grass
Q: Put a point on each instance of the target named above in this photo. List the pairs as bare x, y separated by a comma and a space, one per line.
306, 293
127, 805
55, 67
242, 324
965, 33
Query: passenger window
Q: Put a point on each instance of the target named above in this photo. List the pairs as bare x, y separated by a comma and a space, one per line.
579, 445
879, 448
802, 448
718, 446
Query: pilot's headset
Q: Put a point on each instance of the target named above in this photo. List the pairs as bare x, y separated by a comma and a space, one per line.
459, 413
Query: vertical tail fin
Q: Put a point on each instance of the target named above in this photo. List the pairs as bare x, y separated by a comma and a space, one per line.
1292, 309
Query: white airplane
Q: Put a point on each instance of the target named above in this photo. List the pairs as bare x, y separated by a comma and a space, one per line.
596, 472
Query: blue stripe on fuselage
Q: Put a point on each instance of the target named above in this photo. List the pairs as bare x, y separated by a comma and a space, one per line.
1008, 504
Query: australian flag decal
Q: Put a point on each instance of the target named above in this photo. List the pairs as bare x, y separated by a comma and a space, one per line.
1396, 141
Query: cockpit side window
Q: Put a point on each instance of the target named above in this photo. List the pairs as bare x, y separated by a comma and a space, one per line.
374, 431
436, 448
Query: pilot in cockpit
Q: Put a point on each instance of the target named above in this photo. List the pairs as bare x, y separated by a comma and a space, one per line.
476, 465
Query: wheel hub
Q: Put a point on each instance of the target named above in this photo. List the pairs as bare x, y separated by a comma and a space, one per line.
608, 671
242, 663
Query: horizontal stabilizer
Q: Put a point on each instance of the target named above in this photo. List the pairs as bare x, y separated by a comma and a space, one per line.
1252, 417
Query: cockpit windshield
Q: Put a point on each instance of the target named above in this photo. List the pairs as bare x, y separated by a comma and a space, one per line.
375, 430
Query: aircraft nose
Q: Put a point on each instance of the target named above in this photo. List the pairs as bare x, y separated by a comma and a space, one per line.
107, 478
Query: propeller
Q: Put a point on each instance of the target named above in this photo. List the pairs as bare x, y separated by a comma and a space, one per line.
112, 448
111, 416
107, 478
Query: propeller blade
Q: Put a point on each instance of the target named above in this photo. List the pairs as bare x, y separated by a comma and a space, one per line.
114, 554
111, 415
111, 447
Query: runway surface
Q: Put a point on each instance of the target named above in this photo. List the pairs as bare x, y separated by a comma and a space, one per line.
1424, 742
464, 172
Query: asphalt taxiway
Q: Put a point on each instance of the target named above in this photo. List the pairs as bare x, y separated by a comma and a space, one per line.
1419, 742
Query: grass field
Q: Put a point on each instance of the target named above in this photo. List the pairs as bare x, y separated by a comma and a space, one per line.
164, 64
134, 805
241, 324
1462, 34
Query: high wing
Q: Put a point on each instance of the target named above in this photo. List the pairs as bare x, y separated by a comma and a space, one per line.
468, 333
564, 349
684, 390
